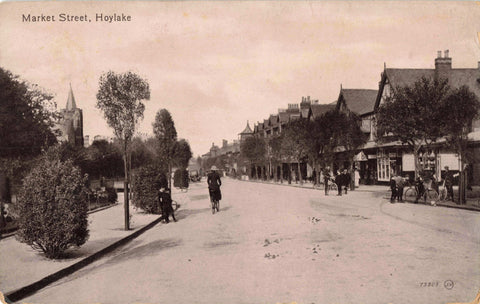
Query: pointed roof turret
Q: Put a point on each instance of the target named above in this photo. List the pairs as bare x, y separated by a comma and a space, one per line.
247, 129
71, 100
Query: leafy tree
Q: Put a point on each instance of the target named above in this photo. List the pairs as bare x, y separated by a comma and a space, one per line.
348, 135
120, 98
52, 207
411, 114
296, 141
274, 148
142, 152
459, 110
166, 135
182, 154
253, 149
103, 159
26, 117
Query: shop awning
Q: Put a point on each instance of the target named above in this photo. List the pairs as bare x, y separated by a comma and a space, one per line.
360, 157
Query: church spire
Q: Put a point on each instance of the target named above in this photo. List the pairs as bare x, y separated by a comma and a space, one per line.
71, 100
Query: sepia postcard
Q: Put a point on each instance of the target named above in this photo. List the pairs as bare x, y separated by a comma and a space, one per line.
246, 89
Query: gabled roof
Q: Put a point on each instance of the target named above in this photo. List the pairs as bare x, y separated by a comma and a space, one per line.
360, 101
456, 78
247, 130
304, 112
71, 100
283, 117
319, 109
407, 77
273, 119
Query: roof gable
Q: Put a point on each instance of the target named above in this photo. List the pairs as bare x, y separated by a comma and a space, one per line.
360, 101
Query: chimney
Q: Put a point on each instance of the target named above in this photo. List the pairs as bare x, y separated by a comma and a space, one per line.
439, 54
443, 65
479, 65
224, 143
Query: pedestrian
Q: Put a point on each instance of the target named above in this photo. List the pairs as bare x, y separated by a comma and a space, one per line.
326, 178
449, 183
357, 178
214, 183
400, 184
346, 179
393, 188
165, 200
420, 187
339, 182
314, 177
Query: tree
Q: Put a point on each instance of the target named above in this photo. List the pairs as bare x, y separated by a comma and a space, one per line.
320, 151
459, 110
52, 207
120, 98
253, 149
182, 154
412, 115
348, 135
296, 141
166, 135
26, 117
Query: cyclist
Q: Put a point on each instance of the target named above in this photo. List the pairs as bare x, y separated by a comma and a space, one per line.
214, 183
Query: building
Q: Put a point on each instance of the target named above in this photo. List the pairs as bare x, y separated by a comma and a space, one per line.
70, 125
376, 161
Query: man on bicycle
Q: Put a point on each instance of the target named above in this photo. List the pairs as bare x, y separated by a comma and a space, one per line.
214, 183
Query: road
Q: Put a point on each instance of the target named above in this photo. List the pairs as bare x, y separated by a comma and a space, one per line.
279, 244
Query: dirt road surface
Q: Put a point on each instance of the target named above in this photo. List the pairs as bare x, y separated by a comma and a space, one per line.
278, 244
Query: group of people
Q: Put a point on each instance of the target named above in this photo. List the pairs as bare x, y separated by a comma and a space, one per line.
342, 179
397, 184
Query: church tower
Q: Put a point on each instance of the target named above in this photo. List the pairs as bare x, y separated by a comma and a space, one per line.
71, 122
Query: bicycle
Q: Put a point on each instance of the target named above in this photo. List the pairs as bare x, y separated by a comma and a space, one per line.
411, 194
332, 186
215, 206
175, 205
215, 202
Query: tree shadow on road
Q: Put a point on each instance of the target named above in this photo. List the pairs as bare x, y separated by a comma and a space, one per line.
184, 213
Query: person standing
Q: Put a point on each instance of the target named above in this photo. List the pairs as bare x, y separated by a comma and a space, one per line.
346, 179
400, 184
326, 178
393, 188
165, 200
357, 178
449, 183
339, 182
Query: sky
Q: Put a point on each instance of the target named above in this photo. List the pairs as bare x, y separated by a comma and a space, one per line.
214, 65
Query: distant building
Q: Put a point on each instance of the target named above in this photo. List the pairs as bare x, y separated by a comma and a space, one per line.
70, 125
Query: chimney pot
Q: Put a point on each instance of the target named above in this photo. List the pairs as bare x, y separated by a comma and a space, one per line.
446, 54
479, 65
439, 54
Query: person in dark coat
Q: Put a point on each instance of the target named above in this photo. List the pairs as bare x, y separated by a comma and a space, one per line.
449, 183
165, 201
393, 188
346, 179
326, 178
339, 182
214, 183
420, 187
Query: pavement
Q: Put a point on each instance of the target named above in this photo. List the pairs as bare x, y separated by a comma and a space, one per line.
22, 266
472, 203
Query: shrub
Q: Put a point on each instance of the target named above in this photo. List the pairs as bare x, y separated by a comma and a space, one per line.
112, 195
52, 207
180, 178
146, 183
